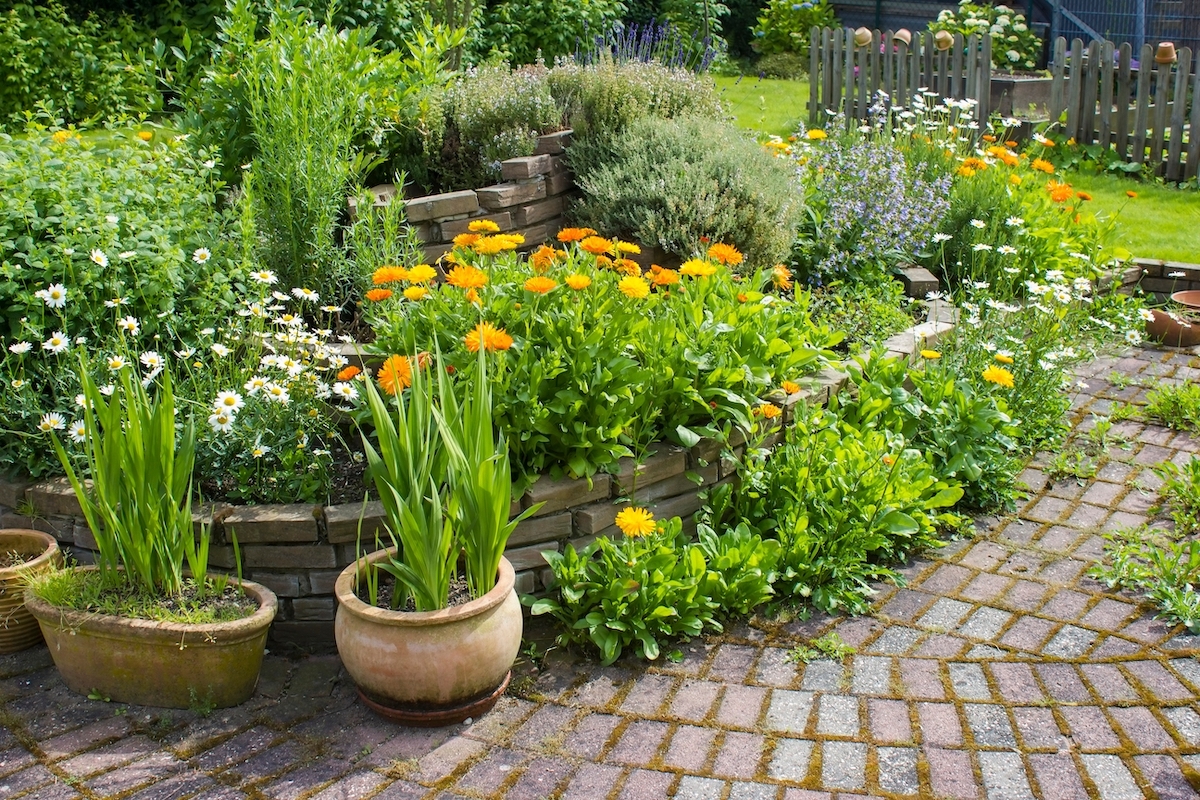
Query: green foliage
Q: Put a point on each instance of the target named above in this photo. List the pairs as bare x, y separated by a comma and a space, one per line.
785, 26
966, 432
1014, 45
788, 66
107, 217
492, 113
644, 592
601, 99
829, 646
844, 503
677, 183
1071, 463
526, 31
1181, 494
139, 504
1153, 561
110, 593
1175, 406
868, 313
75, 69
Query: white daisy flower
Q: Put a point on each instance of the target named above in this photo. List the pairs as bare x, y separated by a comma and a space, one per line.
99, 257
127, 254
112, 219
221, 421
1014, 222
981, 246
220, 350
942, 237
331, 309
228, 401
345, 391
260, 450
57, 343
51, 422
54, 295
185, 353
1007, 249
78, 431
276, 393
1133, 337
307, 295
202, 255
978, 223
128, 324
108, 389
264, 276
116, 362
115, 302
20, 348
255, 385
151, 360
1146, 314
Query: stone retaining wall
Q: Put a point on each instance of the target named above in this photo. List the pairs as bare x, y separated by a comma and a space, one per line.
536, 191
298, 550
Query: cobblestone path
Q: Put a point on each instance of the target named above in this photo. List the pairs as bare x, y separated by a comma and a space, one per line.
1000, 671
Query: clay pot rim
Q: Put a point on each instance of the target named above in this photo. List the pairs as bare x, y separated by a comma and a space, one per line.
116, 627
49, 552
1188, 298
348, 600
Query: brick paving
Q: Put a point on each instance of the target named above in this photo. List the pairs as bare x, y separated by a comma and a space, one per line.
999, 671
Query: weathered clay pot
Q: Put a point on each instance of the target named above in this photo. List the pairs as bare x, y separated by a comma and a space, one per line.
18, 628
432, 667
1181, 332
166, 664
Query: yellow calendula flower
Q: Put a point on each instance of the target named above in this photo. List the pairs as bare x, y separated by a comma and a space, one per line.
635, 522
931, 354
145, 136
726, 254
540, 284
1042, 165
1004, 358
575, 234
791, 387
965, 171
697, 269
1015, 180
999, 376
466, 239
483, 226
466, 277
627, 247
634, 287
415, 293
768, 411
421, 273
816, 135
578, 282
781, 276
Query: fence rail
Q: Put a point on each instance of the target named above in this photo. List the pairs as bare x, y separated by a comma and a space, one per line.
1142, 108
846, 76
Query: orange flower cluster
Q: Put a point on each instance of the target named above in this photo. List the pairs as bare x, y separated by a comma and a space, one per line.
1042, 165
378, 295
663, 277
627, 266
395, 375
385, 275
725, 254
543, 258
348, 373
467, 277
596, 245
487, 336
781, 276
1060, 192
540, 284
575, 234
1004, 154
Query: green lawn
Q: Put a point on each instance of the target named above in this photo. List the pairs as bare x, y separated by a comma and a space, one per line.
1161, 222
766, 105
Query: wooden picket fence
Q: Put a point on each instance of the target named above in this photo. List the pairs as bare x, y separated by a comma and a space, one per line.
1142, 113
845, 76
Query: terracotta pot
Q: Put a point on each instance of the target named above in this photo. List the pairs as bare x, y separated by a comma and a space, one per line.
903, 35
943, 40
1189, 299
1174, 333
1166, 53
430, 667
166, 664
18, 628
863, 37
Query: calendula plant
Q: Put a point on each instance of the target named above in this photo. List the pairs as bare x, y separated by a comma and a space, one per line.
139, 502
599, 359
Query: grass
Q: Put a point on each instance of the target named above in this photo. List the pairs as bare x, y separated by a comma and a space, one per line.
765, 105
1161, 222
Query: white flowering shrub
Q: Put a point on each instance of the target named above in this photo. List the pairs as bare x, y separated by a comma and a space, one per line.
1014, 45
94, 229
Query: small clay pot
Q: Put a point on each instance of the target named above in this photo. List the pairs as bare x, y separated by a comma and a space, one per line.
1166, 53
18, 628
943, 40
863, 37
903, 35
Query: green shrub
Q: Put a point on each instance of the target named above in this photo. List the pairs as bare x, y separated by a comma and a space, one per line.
867, 313
676, 183
77, 69
1014, 45
106, 217
602, 98
524, 31
492, 113
1175, 406
788, 66
785, 26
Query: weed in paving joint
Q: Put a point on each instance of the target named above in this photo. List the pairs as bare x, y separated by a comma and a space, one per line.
1071, 463
1176, 407
829, 646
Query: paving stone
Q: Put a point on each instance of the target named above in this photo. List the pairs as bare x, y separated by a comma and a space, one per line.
1146, 733
1108, 682
1186, 722
1147, 630
1057, 776
639, 743
898, 770
732, 663
236, 749
906, 605
871, 675
741, 706
986, 623
1155, 678
590, 735
1070, 642
889, 720
1026, 595
449, 757
1059, 538
185, 784
540, 779
488, 774
939, 724
774, 668
837, 715
989, 725
1022, 562
26, 779
946, 579
791, 760
921, 678
354, 786
270, 763
739, 755
1065, 605
1086, 517
823, 676
789, 710
1016, 682
843, 764
642, 784
1004, 776
1063, 683
1164, 776
1038, 729
84, 738
969, 682
588, 777
1112, 778
895, 641
1189, 668
692, 787
1115, 647
752, 791
546, 724
950, 773
694, 700
1046, 509
986, 587
303, 781
600, 690
945, 614
648, 694
690, 747
1028, 633
1090, 728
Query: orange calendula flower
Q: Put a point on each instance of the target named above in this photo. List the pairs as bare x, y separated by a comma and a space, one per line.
664, 277
389, 275
781, 276
816, 135
578, 282
726, 254
416, 293
378, 295
467, 277
1010, 143
1084, 196
483, 226
145, 136
604, 262
540, 284
1060, 192
348, 373
635, 522
999, 376
975, 163
768, 411
1130, 193
965, 171
697, 269
1015, 180
473, 297
1004, 358
421, 273
487, 336
634, 287
741, 298
627, 266
596, 245
627, 247
575, 234
1042, 165
395, 375
542, 258
987, 137
466, 239
791, 387
60, 137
